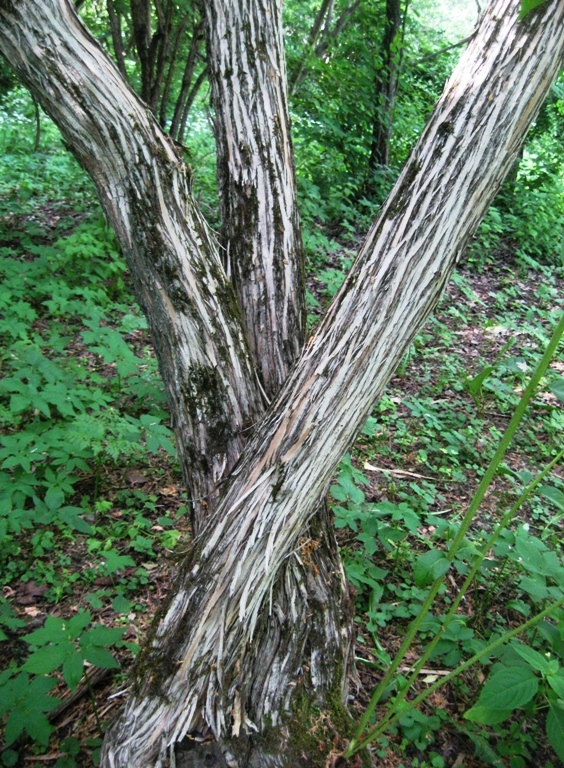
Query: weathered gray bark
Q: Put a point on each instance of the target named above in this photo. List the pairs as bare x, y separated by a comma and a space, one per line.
229, 650
143, 184
262, 247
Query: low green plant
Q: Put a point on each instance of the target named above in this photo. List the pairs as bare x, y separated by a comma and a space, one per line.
430, 570
63, 646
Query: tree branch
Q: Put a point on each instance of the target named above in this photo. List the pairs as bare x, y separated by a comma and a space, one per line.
115, 27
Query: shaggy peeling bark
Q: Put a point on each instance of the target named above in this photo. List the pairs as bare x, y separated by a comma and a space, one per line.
260, 232
213, 392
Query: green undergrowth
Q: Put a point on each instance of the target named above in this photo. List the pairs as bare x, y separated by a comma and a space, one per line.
399, 499
88, 478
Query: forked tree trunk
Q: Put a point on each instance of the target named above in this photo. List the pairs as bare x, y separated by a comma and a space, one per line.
213, 391
235, 644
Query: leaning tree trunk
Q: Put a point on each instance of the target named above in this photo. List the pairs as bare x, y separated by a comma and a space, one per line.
212, 386
214, 658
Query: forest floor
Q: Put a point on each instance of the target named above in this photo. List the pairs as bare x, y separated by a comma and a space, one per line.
422, 453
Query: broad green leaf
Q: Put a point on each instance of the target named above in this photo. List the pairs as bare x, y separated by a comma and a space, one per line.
19, 403
116, 562
101, 635
53, 631
78, 623
71, 516
100, 657
534, 658
54, 498
527, 6
15, 725
555, 730
430, 567
487, 715
121, 605
72, 670
509, 688
557, 387
556, 682
474, 385
39, 728
48, 658
552, 493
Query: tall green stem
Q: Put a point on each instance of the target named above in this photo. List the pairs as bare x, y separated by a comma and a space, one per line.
381, 727
464, 588
413, 629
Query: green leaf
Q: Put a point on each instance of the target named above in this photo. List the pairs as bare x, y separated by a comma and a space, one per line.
78, 623
555, 730
100, 657
19, 403
71, 516
474, 386
39, 728
534, 658
53, 631
48, 658
552, 493
121, 605
557, 387
115, 561
72, 670
101, 635
509, 688
54, 498
487, 715
527, 6
429, 567
15, 725
10, 758
556, 682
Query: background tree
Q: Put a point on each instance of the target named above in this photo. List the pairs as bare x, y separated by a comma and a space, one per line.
219, 656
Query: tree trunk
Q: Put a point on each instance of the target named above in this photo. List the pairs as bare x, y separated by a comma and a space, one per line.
262, 247
171, 265
235, 646
385, 90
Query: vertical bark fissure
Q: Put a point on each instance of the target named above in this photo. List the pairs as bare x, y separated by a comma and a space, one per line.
226, 592
181, 285
260, 227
